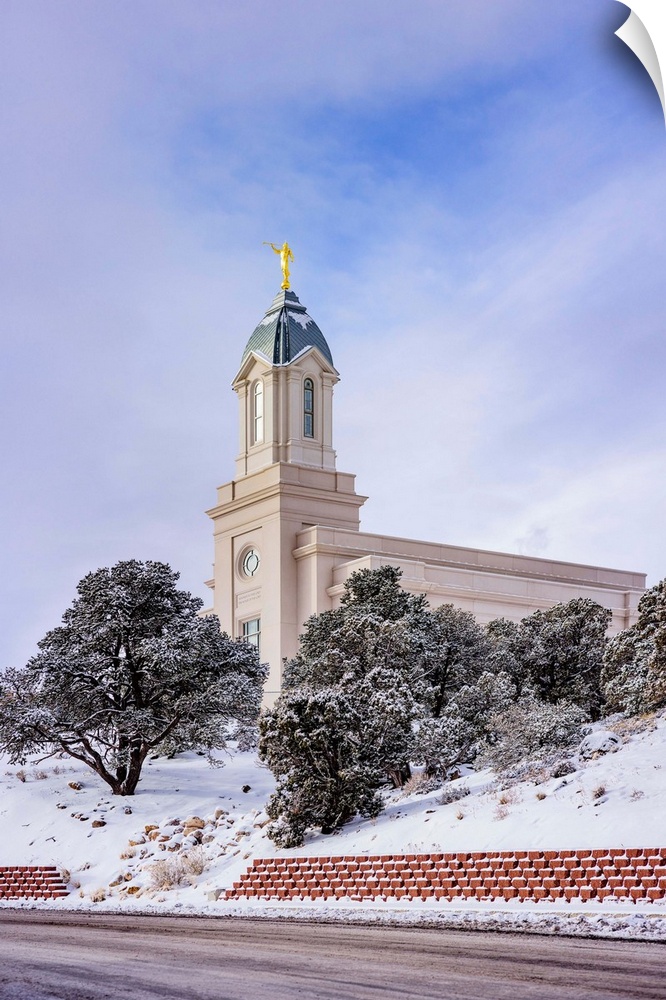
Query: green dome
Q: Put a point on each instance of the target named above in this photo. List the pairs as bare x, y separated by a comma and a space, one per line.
286, 331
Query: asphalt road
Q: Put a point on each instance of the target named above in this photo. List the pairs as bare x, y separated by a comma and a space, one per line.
80, 957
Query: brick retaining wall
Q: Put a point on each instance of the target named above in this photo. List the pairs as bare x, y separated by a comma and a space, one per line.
31, 882
530, 876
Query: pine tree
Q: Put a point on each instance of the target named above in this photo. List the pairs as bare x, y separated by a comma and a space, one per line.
634, 669
368, 659
563, 652
132, 669
456, 651
325, 772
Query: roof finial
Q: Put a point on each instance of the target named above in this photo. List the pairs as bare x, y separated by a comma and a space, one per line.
285, 254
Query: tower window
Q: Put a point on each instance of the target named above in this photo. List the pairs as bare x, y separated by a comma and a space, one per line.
258, 412
252, 632
308, 408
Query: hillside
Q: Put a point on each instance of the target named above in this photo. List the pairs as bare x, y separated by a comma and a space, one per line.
615, 800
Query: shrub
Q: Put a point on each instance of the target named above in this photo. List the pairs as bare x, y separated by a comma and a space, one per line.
453, 794
530, 731
167, 873
195, 861
562, 768
421, 784
444, 742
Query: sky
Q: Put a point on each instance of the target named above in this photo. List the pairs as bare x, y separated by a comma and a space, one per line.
475, 193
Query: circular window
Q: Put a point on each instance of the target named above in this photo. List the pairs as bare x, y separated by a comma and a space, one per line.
251, 563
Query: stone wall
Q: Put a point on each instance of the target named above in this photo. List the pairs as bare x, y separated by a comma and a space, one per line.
31, 882
530, 876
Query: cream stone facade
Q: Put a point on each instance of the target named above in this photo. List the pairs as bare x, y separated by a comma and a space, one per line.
287, 529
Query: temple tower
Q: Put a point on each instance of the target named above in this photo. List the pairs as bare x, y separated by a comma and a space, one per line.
286, 481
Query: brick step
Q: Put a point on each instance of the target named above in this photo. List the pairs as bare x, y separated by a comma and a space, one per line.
632, 874
31, 882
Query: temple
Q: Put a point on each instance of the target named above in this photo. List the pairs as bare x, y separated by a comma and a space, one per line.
287, 527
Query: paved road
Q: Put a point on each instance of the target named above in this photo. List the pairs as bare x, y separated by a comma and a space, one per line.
80, 957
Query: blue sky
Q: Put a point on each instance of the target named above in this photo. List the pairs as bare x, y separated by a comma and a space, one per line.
475, 194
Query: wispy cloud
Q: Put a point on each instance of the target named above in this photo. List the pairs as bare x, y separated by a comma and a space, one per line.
475, 197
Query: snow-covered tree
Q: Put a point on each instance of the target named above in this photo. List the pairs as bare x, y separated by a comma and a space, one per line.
509, 646
454, 737
634, 671
455, 648
563, 649
132, 669
393, 682
338, 642
369, 657
530, 730
372, 648
441, 649
325, 772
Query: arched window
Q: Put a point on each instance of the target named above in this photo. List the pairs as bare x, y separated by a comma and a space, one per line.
308, 408
258, 412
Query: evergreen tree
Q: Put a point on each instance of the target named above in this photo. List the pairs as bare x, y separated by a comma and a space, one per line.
455, 648
325, 773
634, 669
563, 649
508, 651
338, 643
391, 665
368, 658
384, 681
378, 592
132, 669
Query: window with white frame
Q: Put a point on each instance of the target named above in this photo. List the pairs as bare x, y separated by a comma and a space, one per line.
308, 408
258, 412
252, 632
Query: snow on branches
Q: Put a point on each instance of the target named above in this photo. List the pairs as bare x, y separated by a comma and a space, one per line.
133, 669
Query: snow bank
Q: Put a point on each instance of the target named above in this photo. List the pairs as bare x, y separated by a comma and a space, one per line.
612, 800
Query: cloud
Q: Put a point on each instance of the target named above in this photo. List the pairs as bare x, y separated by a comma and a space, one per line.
600, 508
542, 368
272, 52
477, 223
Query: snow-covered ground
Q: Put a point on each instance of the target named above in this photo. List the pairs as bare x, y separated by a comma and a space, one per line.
615, 800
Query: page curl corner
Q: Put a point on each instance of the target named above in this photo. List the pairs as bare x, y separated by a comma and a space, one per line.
644, 32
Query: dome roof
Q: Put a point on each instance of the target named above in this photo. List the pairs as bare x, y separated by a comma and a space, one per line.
286, 331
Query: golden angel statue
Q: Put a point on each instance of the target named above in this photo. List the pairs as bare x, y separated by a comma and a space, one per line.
285, 254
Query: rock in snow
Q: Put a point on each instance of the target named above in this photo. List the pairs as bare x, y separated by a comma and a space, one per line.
599, 742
